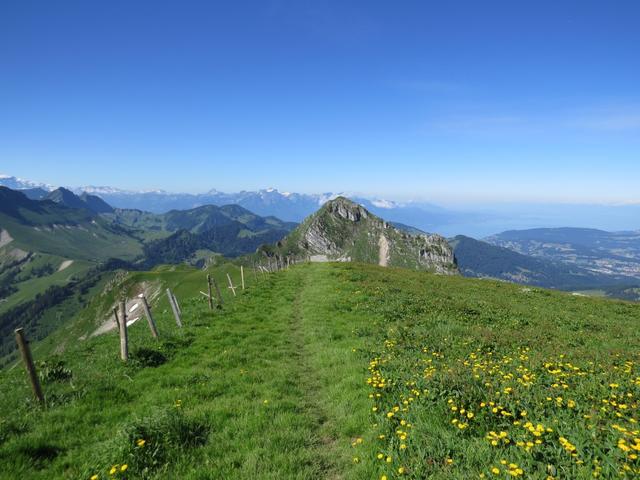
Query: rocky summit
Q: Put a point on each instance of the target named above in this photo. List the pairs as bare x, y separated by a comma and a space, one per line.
343, 230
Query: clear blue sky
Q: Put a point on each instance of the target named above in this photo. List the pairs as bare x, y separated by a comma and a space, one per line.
468, 101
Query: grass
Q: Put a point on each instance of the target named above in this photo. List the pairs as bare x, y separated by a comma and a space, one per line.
29, 286
338, 371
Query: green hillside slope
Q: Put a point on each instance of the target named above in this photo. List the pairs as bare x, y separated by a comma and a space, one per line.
44, 248
50, 228
346, 231
197, 220
195, 235
337, 371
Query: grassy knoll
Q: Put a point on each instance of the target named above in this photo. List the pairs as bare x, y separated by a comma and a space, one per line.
338, 371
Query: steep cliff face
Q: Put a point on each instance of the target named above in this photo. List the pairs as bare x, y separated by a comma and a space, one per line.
345, 231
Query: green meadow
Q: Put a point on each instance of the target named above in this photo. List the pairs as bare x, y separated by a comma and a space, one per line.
333, 371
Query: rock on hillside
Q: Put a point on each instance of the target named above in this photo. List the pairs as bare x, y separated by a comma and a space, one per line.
345, 231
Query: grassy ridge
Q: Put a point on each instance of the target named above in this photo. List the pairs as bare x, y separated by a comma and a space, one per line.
339, 371
255, 377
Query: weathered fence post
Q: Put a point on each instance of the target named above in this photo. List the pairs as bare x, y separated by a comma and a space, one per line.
218, 293
210, 293
175, 301
25, 352
242, 276
174, 308
233, 289
124, 339
115, 315
147, 312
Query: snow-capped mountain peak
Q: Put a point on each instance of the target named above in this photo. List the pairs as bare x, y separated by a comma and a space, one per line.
387, 204
17, 183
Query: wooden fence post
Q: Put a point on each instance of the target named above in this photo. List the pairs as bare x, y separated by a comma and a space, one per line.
147, 312
115, 315
242, 275
124, 339
174, 308
210, 293
175, 301
25, 352
233, 289
218, 293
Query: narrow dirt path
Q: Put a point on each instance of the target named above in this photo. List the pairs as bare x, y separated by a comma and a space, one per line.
307, 379
383, 255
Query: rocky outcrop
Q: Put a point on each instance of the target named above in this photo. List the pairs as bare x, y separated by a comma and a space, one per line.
343, 230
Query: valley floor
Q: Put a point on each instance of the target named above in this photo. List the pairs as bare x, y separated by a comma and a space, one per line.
343, 371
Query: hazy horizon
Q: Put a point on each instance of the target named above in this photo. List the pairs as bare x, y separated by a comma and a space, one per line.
453, 202
477, 219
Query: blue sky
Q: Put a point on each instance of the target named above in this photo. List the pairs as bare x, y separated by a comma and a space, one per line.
445, 101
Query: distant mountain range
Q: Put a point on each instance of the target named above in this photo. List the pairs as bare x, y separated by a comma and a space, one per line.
16, 183
557, 258
86, 227
292, 207
475, 220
